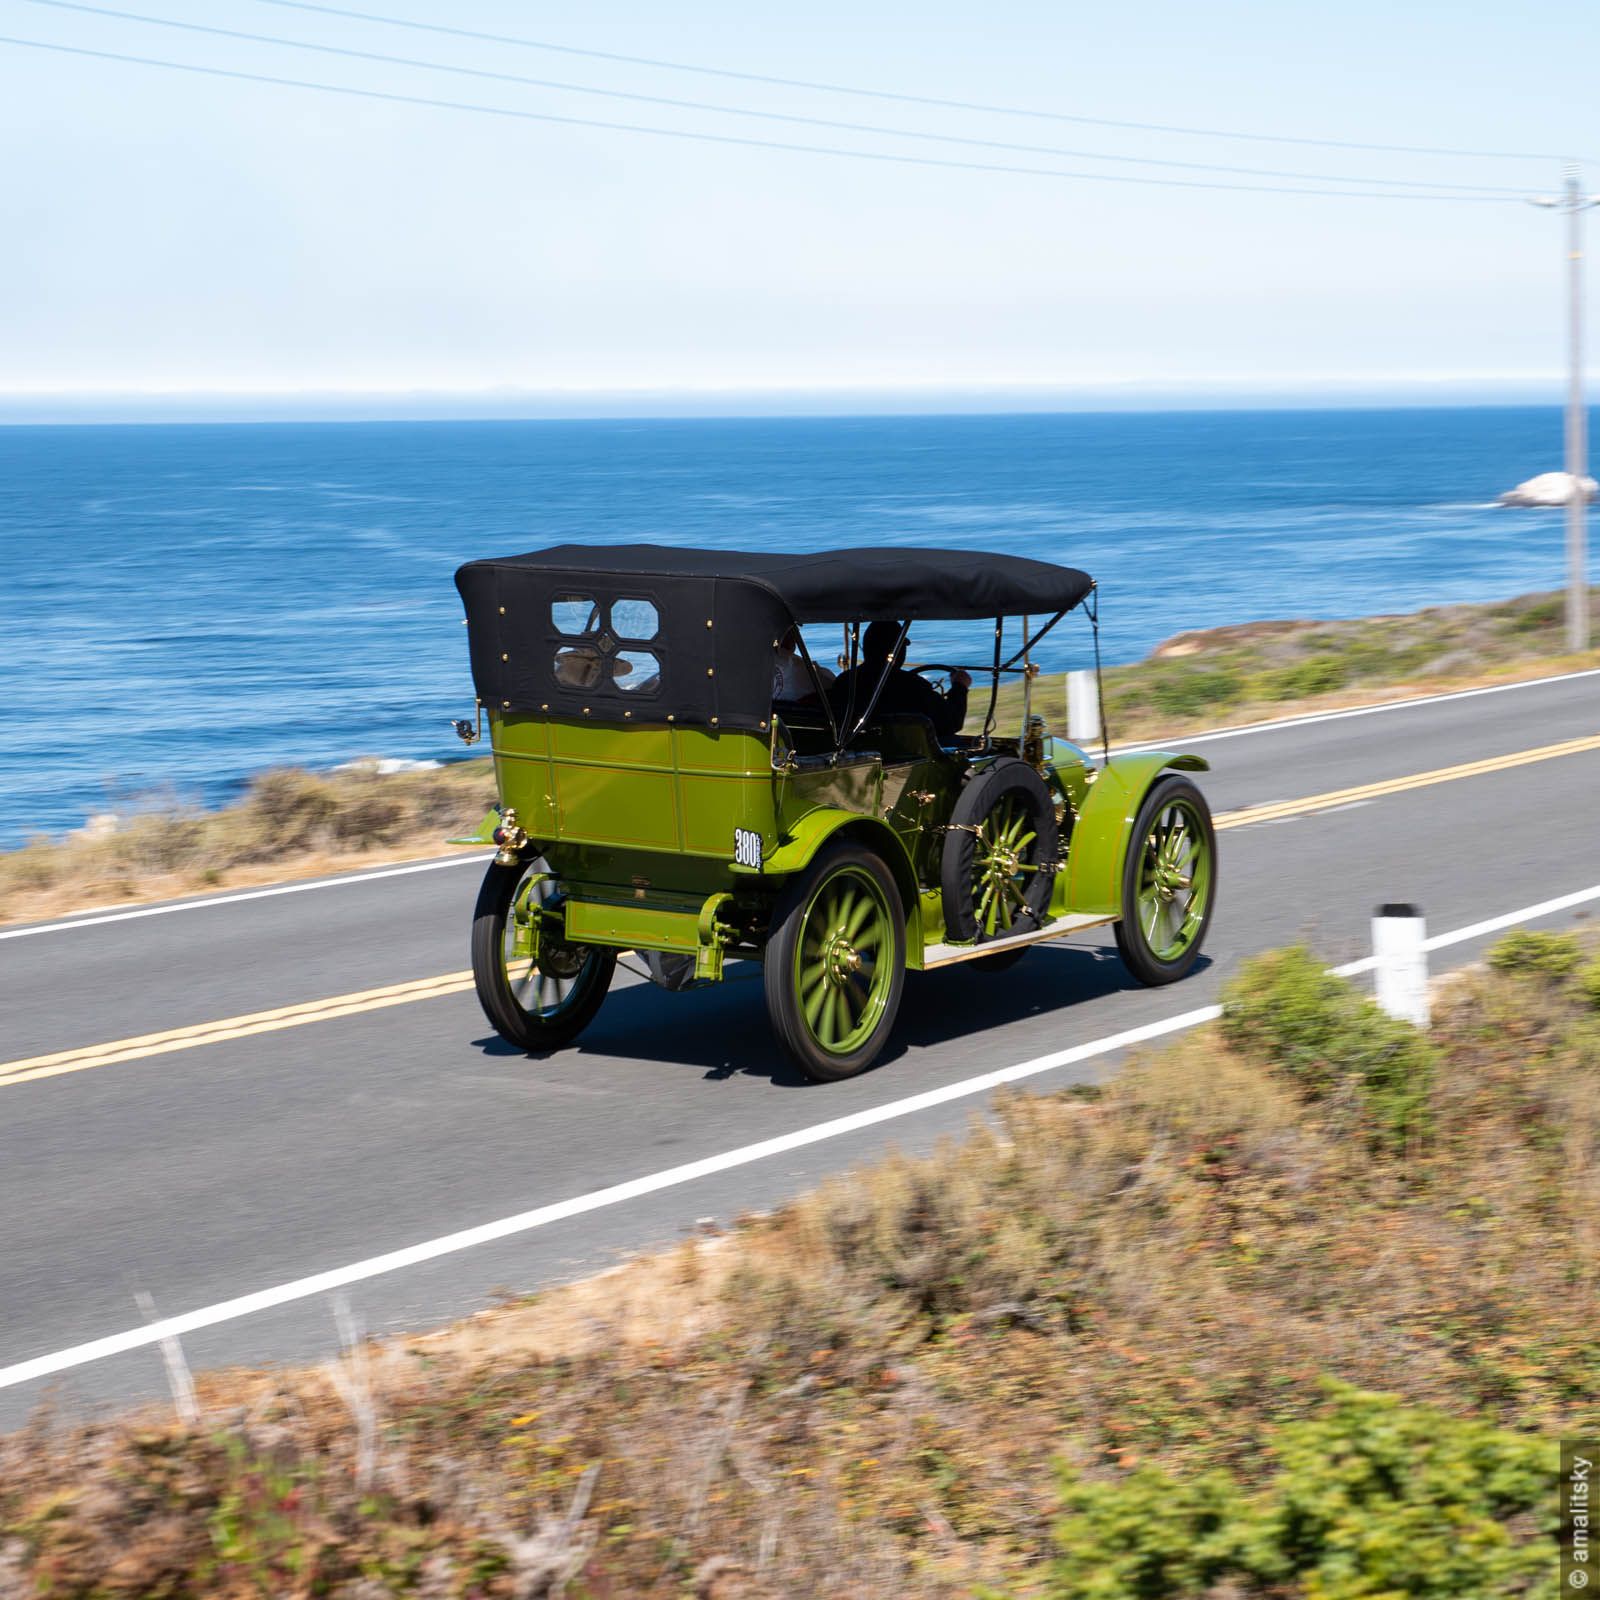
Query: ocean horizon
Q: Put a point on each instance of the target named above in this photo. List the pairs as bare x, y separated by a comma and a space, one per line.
188, 603
727, 403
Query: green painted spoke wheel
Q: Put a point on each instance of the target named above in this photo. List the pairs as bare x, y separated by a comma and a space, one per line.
542, 1001
1168, 883
834, 964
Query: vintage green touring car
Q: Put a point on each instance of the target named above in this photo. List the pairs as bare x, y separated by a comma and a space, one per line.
677, 776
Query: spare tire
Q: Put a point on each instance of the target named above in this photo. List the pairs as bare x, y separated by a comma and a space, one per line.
1000, 848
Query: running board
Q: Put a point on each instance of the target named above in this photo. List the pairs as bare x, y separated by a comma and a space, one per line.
947, 955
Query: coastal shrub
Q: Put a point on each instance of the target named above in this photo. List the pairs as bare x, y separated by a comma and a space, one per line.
1589, 982
1187, 691
1379, 660
291, 810
1149, 1535
1316, 675
160, 846
1538, 617
1374, 1498
1545, 955
1287, 1011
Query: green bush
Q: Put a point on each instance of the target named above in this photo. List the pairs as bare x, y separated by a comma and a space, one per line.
1316, 675
1589, 983
1373, 1499
1549, 955
1535, 618
1286, 1010
1146, 1536
1187, 691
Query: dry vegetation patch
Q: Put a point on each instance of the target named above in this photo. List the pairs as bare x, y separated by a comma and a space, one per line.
289, 824
1224, 677
991, 1367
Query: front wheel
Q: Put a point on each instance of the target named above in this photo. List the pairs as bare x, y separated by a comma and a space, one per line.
542, 1002
1169, 883
835, 963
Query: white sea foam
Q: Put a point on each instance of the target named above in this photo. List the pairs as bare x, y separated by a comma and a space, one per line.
382, 766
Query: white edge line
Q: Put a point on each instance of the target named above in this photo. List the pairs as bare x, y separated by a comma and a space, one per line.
1477, 930
1270, 726
562, 1210
88, 920
95, 920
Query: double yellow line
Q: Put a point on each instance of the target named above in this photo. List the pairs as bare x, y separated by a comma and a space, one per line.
199, 1033
1335, 798
399, 994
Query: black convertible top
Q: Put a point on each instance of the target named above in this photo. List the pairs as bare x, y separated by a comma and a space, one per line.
647, 633
895, 583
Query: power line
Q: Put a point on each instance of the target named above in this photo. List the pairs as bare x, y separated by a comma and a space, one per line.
895, 158
875, 129
902, 98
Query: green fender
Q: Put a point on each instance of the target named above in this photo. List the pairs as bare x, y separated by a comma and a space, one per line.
808, 835
1105, 820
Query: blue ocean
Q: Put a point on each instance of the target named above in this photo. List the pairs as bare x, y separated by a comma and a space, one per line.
185, 604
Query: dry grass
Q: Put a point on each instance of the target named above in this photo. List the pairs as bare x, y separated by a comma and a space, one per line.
289, 824
866, 1393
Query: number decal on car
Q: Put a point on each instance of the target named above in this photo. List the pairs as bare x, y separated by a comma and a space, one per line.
746, 848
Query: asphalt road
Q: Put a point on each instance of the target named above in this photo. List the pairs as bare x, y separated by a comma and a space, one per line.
208, 1173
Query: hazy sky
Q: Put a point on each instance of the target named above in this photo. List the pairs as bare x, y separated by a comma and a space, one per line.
174, 232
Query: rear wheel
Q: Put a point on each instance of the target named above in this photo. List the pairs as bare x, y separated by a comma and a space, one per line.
537, 1003
835, 963
1168, 883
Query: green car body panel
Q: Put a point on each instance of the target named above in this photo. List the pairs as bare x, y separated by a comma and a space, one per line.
638, 824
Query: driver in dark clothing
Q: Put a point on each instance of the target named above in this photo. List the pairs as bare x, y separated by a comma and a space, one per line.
904, 691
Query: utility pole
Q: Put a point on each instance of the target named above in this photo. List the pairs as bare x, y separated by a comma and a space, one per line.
1574, 203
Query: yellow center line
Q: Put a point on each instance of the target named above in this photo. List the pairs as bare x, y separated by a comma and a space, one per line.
397, 994
171, 1039
1416, 780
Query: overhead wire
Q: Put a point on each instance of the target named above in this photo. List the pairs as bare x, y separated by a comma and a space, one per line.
832, 124
825, 87
897, 158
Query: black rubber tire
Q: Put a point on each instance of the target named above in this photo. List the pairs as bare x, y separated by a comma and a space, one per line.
1008, 778
784, 1009
1141, 962
529, 1030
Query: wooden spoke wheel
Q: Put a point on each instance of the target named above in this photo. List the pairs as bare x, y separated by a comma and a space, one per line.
1169, 882
835, 963
538, 1002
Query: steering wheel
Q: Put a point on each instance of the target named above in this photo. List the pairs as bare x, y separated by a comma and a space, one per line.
935, 668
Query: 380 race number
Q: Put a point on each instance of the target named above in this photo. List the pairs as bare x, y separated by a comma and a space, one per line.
746, 848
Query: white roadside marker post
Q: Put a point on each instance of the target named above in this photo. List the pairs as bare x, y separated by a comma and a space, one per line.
1401, 971
1083, 708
